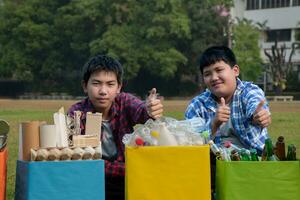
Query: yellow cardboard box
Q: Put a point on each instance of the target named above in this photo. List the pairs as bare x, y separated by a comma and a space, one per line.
161, 172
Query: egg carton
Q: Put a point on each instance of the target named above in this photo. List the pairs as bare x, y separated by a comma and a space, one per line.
66, 154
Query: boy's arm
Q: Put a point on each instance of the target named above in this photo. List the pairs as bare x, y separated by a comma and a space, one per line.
257, 109
257, 133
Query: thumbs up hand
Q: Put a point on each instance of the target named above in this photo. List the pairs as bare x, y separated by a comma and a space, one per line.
222, 115
261, 116
154, 105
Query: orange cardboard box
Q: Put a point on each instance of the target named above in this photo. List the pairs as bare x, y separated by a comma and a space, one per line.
3, 160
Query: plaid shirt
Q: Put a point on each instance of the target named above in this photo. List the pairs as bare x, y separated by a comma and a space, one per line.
245, 100
125, 112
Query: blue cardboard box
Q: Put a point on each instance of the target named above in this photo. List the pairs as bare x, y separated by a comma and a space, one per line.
75, 180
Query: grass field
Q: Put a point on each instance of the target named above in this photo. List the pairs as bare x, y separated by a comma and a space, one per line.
285, 117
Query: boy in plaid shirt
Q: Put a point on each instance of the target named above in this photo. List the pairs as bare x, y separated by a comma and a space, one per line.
102, 82
234, 110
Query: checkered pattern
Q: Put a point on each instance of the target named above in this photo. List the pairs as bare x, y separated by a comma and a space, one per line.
246, 98
126, 111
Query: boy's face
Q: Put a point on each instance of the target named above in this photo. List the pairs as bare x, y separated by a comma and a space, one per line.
220, 79
102, 88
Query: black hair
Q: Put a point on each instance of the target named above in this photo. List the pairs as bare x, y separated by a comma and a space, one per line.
102, 62
215, 54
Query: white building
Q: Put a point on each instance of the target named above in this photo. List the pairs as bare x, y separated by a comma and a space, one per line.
282, 17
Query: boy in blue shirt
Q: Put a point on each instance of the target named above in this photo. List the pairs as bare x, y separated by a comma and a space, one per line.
234, 110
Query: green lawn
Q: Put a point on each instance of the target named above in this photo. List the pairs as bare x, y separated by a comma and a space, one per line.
284, 123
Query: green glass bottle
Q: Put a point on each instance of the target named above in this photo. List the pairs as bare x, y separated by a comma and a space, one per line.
253, 155
291, 154
244, 155
269, 150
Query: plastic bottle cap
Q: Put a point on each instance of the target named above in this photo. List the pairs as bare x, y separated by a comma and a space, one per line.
139, 141
205, 134
210, 142
227, 144
146, 143
154, 134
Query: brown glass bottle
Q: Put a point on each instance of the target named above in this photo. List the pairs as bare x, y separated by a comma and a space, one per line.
235, 155
280, 148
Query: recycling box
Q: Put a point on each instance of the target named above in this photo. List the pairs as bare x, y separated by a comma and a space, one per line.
257, 180
168, 172
3, 168
75, 180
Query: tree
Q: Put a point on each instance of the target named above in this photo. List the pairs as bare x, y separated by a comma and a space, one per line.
280, 65
297, 34
30, 43
47, 42
246, 48
144, 35
207, 29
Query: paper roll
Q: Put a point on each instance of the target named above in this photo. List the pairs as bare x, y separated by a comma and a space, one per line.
30, 137
20, 157
61, 129
47, 136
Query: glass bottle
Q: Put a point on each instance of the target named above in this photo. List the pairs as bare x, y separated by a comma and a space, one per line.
291, 154
280, 148
235, 155
214, 148
253, 155
269, 150
244, 155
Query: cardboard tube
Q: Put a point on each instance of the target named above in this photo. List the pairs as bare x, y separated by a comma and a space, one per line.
47, 136
3, 172
30, 138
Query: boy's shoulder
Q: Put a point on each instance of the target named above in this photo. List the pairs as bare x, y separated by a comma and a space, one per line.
245, 87
82, 105
202, 98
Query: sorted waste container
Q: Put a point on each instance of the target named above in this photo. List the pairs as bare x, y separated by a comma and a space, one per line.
259, 180
168, 172
61, 180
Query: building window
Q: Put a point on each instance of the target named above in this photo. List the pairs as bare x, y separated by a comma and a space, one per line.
283, 35
252, 5
296, 2
275, 3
